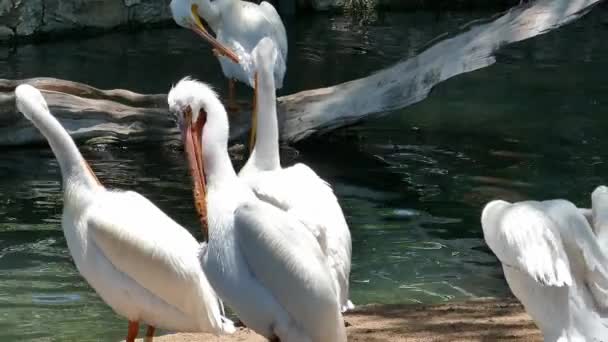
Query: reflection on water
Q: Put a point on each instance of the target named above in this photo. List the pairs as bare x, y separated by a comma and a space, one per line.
412, 184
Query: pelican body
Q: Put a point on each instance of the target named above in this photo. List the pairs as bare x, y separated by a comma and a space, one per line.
241, 27
297, 190
143, 264
260, 259
553, 264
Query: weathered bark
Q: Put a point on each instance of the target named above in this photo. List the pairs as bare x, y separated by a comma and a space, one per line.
85, 91
410, 81
105, 115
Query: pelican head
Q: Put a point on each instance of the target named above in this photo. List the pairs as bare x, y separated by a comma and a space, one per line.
197, 106
265, 54
187, 14
492, 214
29, 100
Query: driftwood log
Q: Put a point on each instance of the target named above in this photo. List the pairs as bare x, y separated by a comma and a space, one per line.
94, 115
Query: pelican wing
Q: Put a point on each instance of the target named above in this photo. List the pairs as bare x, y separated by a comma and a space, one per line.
287, 260
280, 34
296, 186
588, 214
299, 191
523, 237
581, 243
242, 31
261, 21
152, 249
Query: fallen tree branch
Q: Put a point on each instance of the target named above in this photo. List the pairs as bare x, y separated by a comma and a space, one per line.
95, 115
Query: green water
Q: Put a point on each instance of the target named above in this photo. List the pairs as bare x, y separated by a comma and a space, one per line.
412, 183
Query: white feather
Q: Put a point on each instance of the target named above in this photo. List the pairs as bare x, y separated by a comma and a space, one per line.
523, 237
553, 265
277, 286
276, 244
140, 262
297, 190
599, 208
242, 27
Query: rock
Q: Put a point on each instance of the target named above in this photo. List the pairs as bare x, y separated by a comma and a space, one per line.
6, 6
65, 15
130, 3
6, 33
323, 5
149, 12
30, 16
9, 16
26, 18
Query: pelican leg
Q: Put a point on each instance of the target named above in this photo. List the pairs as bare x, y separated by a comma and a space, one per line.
132, 331
149, 334
254, 115
274, 339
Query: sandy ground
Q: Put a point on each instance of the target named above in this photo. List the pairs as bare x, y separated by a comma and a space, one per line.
476, 320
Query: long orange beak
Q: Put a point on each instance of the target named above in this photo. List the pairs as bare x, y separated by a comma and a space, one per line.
192, 146
201, 31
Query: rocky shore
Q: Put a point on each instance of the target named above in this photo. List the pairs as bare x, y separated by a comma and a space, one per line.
20, 18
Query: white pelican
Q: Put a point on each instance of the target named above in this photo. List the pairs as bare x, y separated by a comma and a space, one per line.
239, 26
260, 260
296, 189
553, 264
141, 263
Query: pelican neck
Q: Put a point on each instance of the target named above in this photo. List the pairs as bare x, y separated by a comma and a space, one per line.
265, 154
74, 169
214, 143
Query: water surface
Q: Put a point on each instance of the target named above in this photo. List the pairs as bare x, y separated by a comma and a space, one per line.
412, 184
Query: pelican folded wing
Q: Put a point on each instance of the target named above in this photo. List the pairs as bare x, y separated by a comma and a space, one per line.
152, 249
580, 242
523, 237
287, 259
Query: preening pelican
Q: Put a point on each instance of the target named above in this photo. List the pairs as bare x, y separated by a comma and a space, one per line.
141, 263
260, 260
297, 190
239, 26
553, 264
